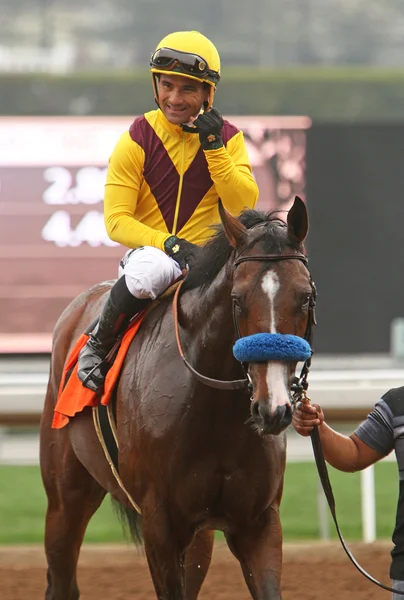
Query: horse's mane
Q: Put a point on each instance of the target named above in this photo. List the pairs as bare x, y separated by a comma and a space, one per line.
217, 251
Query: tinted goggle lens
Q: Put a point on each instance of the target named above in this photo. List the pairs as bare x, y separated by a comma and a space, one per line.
191, 64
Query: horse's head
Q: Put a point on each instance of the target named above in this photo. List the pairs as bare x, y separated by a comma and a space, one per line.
272, 294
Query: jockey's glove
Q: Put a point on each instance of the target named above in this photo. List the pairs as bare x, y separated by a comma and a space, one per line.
209, 126
183, 252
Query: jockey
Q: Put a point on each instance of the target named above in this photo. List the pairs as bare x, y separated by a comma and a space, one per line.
165, 176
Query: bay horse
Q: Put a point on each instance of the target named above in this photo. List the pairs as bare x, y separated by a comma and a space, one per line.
195, 459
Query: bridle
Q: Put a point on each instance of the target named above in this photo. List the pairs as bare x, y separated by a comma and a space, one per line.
300, 384
299, 388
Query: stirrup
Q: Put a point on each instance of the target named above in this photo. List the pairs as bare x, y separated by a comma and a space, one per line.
96, 380
103, 366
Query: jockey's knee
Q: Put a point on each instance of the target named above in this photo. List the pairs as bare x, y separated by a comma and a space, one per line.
139, 288
148, 272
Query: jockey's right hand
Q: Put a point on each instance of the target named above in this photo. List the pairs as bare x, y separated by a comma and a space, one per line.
183, 252
305, 417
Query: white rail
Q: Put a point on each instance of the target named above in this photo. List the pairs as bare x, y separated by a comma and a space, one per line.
340, 384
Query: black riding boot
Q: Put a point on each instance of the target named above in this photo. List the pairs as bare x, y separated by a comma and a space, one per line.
119, 308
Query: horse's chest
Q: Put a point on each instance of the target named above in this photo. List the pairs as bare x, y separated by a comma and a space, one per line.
227, 490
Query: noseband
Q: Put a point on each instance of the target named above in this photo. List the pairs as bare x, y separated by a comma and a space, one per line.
300, 384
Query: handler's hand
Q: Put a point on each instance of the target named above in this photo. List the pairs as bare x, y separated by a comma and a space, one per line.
305, 417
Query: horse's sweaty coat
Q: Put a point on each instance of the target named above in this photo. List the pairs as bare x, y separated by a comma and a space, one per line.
193, 459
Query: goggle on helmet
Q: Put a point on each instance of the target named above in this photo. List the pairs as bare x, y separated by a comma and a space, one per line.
185, 63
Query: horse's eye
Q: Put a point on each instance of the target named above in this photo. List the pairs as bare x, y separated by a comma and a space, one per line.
306, 301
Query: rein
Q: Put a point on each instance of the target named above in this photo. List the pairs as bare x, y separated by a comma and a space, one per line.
299, 389
300, 384
236, 384
327, 488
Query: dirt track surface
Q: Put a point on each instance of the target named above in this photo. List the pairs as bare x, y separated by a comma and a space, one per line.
317, 571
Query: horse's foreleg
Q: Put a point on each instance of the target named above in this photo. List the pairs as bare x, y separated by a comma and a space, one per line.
259, 550
73, 497
197, 562
165, 542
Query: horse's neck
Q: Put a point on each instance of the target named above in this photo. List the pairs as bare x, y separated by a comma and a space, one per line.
208, 326
203, 304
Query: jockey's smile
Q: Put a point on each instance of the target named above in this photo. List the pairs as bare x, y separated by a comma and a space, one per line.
180, 98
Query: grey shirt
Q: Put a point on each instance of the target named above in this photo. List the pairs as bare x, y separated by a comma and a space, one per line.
378, 429
383, 431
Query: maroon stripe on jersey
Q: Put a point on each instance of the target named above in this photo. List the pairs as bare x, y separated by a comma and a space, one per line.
197, 180
228, 131
162, 176
195, 185
159, 171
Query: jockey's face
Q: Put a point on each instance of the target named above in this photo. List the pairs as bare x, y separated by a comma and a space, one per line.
180, 98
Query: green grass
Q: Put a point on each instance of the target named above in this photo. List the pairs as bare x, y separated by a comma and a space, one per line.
23, 505
299, 508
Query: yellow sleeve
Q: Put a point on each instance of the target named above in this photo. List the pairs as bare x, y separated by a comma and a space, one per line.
231, 173
124, 179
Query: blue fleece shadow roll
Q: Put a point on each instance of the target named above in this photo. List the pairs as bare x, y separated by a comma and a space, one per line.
263, 347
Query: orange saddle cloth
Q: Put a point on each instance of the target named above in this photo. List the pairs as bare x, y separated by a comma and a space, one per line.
73, 396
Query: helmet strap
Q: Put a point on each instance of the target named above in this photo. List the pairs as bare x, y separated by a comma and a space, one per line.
209, 102
155, 92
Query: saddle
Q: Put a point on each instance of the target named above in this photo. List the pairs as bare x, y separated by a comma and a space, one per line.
73, 397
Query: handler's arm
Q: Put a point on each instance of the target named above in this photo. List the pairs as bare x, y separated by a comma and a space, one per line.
345, 453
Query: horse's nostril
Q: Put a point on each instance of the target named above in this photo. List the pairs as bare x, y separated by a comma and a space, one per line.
255, 410
271, 421
288, 413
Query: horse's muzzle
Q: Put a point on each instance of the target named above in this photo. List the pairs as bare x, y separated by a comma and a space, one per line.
271, 421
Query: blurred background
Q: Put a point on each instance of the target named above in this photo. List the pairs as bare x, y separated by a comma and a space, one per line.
317, 86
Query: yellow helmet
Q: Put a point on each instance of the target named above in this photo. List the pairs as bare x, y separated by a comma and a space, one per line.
190, 54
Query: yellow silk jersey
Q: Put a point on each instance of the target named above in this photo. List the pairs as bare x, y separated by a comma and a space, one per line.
161, 182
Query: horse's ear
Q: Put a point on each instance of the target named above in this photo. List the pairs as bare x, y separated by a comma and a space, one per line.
298, 221
235, 231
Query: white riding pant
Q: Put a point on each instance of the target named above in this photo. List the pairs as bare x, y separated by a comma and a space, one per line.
148, 271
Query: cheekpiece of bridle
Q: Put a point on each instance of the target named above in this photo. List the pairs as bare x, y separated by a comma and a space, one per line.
299, 384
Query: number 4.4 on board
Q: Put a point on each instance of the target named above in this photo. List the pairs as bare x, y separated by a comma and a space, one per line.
90, 230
